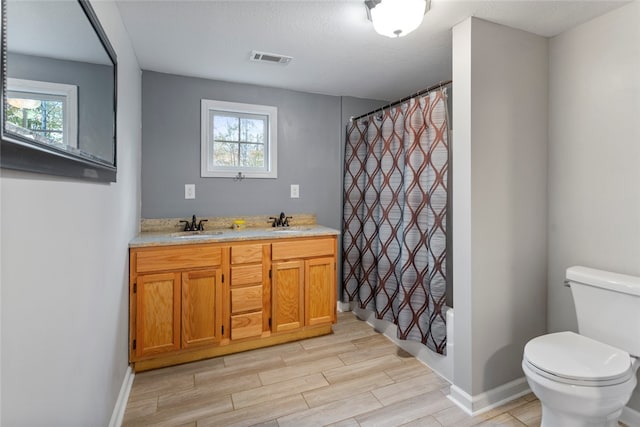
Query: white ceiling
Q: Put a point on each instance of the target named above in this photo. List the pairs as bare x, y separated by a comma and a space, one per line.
53, 29
334, 47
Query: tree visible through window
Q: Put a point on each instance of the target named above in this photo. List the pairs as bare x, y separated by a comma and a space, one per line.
238, 139
38, 116
45, 112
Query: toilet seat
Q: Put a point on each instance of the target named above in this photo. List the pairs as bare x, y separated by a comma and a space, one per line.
571, 358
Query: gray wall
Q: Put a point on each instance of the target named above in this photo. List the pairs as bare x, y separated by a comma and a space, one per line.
310, 150
95, 105
594, 155
500, 200
311, 138
64, 278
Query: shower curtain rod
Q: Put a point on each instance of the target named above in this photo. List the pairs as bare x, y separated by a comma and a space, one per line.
406, 98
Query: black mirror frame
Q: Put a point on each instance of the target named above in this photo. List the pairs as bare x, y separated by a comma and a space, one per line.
23, 154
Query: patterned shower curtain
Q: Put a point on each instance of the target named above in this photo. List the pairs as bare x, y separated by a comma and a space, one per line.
395, 208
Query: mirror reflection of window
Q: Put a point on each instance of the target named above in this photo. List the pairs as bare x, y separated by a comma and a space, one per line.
43, 119
60, 42
42, 111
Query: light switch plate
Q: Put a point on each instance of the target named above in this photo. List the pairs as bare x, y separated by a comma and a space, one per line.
295, 191
189, 191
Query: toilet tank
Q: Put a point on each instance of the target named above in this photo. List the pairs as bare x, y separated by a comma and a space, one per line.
607, 306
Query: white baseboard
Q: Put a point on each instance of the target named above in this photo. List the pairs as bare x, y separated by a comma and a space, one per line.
483, 402
123, 397
343, 306
630, 417
441, 365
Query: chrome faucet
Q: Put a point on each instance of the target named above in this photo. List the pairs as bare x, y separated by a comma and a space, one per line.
194, 225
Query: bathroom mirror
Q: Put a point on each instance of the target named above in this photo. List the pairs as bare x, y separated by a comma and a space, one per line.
58, 90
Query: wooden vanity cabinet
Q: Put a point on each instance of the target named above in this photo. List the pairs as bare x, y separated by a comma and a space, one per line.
199, 300
320, 291
304, 283
250, 290
288, 295
157, 320
202, 302
177, 298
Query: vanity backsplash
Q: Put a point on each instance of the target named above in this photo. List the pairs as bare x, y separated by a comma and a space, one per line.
220, 222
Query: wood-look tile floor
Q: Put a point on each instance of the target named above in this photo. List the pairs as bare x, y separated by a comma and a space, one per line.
354, 377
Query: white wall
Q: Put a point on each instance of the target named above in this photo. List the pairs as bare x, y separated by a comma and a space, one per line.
594, 154
461, 203
65, 275
500, 200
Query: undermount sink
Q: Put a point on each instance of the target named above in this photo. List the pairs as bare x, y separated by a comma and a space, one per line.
293, 229
195, 234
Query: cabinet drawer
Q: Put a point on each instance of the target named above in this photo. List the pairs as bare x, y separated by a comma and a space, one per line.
246, 299
302, 249
246, 274
246, 254
174, 258
246, 325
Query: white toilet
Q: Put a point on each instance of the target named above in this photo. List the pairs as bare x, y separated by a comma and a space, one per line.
586, 379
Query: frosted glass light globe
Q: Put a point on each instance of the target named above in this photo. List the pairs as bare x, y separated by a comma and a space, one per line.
24, 104
397, 18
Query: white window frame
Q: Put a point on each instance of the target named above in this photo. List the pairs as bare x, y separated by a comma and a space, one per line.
206, 141
68, 92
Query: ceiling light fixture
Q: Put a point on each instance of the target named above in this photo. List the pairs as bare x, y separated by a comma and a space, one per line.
396, 18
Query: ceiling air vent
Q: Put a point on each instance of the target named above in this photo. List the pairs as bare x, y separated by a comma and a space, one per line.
274, 58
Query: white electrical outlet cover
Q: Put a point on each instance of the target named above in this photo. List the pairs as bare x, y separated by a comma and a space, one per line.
295, 191
189, 191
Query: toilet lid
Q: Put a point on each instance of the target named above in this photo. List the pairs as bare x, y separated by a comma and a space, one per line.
576, 357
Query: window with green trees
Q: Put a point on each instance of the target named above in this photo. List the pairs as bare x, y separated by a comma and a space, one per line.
43, 117
238, 140
45, 112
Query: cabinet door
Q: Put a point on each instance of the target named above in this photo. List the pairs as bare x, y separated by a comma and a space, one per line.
157, 314
320, 291
288, 296
246, 311
201, 307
